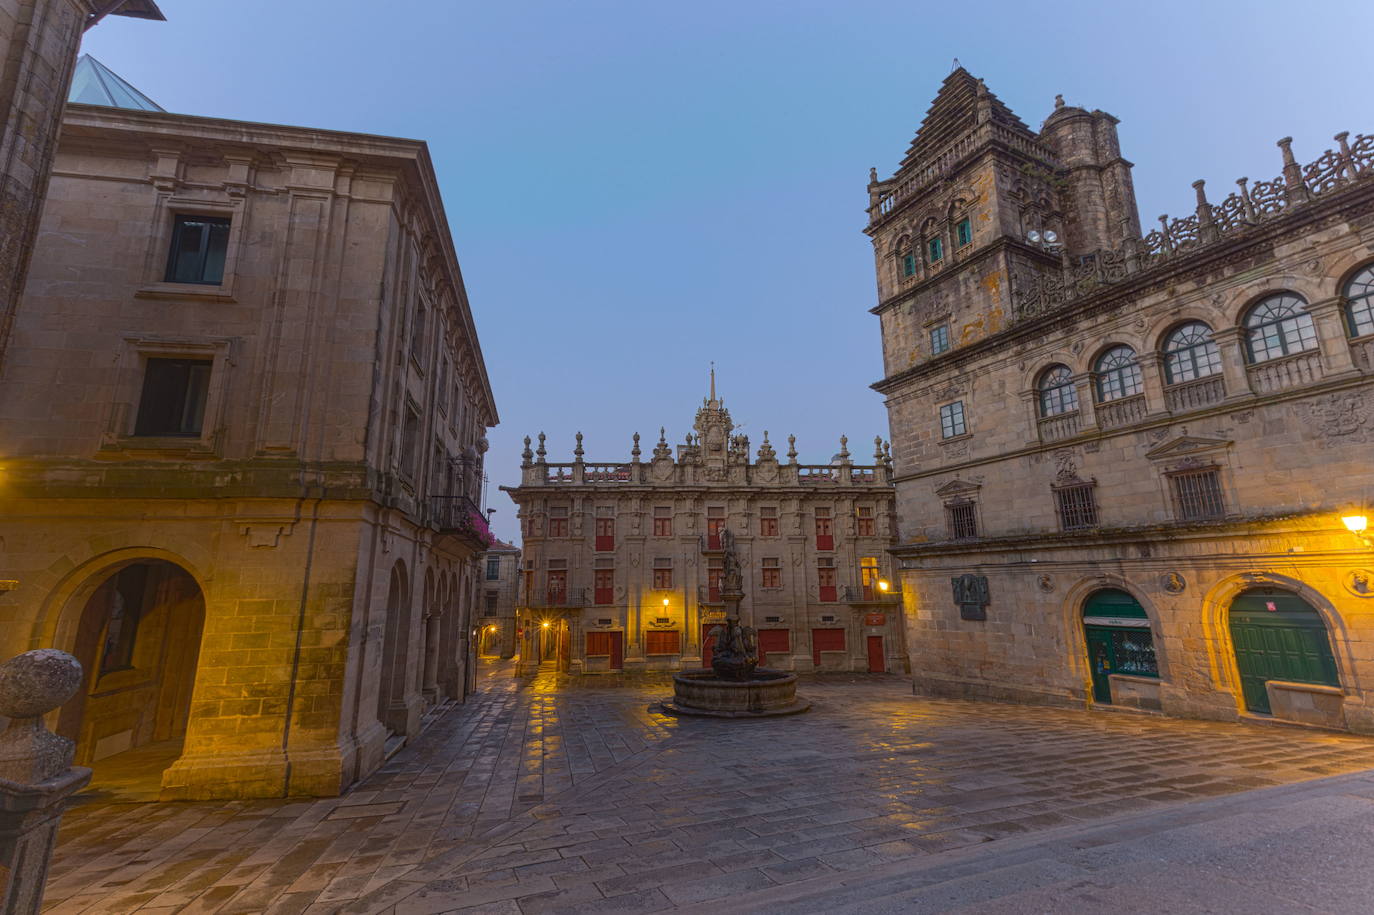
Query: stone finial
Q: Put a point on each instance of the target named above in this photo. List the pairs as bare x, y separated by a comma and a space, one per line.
541, 452
634, 451
31, 685
661, 450
577, 452
887, 452
766, 452
844, 447
1058, 102
527, 455
791, 449
877, 449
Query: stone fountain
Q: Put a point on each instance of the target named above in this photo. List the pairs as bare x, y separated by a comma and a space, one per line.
735, 686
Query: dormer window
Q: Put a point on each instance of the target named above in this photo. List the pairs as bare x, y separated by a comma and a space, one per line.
963, 232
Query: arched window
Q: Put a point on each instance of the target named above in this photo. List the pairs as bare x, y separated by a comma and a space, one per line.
1190, 353
1118, 374
1279, 326
1359, 310
1057, 393
906, 258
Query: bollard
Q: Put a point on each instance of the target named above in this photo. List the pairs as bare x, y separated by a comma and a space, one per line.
36, 773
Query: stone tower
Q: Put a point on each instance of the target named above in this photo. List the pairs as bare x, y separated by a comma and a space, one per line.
971, 211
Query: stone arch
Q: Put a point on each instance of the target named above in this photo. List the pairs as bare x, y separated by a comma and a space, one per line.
1167, 324
1071, 615
1241, 305
1030, 377
1348, 264
392, 710
135, 619
1216, 608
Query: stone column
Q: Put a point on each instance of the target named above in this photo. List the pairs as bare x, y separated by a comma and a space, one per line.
1231, 348
36, 774
1329, 319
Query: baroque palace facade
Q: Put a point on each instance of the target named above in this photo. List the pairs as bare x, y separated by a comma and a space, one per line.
622, 561
244, 410
1123, 461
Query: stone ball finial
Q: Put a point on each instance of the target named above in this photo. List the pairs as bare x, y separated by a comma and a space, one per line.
37, 682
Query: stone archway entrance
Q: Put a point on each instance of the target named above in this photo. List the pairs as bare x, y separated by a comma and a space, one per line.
1119, 640
1278, 636
138, 640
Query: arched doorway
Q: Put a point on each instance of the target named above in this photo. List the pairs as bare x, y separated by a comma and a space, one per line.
1278, 636
1119, 640
138, 640
391, 707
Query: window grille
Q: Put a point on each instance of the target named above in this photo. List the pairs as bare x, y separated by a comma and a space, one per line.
952, 419
1077, 506
963, 520
1197, 495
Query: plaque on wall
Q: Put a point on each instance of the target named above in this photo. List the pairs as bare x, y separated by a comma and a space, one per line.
971, 594
875, 619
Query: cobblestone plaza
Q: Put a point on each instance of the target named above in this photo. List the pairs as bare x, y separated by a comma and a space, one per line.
560, 793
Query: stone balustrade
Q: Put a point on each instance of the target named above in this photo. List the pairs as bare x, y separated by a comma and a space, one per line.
1193, 395
1288, 372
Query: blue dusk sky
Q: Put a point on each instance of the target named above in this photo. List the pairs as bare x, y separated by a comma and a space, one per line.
639, 188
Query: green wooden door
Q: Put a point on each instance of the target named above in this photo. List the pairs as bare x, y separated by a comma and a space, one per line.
1119, 640
1278, 637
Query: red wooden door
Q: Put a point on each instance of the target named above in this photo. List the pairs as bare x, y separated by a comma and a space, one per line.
708, 643
826, 579
605, 534
605, 586
877, 663
617, 650
777, 641
825, 539
825, 640
713, 528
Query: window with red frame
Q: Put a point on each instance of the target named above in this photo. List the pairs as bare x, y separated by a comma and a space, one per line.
605, 534
715, 576
662, 641
825, 577
604, 582
768, 522
558, 587
772, 574
663, 574
715, 523
558, 522
825, 538
663, 521
864, 524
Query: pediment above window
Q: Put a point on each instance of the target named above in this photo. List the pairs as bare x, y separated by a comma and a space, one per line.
1189, 449
958, 489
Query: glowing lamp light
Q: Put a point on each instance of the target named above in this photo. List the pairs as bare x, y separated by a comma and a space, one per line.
545, 624
883, 585
1355, 523
665, 601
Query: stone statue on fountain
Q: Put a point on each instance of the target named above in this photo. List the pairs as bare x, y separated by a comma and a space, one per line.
736, 651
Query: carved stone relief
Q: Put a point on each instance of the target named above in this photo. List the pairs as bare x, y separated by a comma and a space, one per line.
1360, 582
1172, 582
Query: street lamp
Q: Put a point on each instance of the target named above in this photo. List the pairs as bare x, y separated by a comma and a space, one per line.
883, 585
1357, 524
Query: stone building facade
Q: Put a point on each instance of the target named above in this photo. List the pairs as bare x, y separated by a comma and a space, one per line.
38, 44
1122, 460
500, 567
622, 561
241, 436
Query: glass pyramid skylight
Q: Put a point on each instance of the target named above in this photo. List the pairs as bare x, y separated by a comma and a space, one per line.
96, 84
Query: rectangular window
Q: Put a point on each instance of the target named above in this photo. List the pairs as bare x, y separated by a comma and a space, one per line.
1197, 495
825, 538
1077, 506
199, 245
441, 389
605, 534
663, 521
963, 519
660, 641
715, 523
936, 247
863, 522
772, 574
952, 420
663, 574
825, 577
173, 398
599, 644
868, 576
492, 598
939, 339
410, 441
963, 232
715, 577
768, 522
908, 264
417, 333
493, 570
558, 522
604, 581
558, 587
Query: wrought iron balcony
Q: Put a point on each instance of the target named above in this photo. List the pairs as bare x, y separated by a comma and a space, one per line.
558, 599
708, 594
459, 516
871, 594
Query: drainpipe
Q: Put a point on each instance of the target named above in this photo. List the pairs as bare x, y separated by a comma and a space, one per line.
300, 632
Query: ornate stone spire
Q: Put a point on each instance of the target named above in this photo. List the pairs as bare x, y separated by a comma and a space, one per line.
527, 455
634, 452
577, 452
541, 453
661, 450
844, 447
877, 449
766, 452
791, 449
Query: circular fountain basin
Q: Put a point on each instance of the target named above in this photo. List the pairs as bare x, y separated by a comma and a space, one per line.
766, 694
